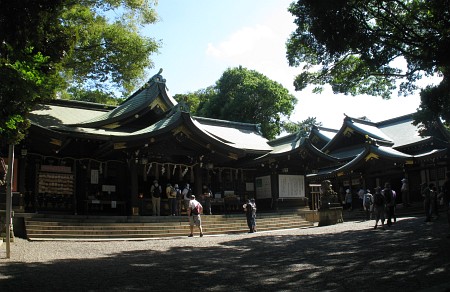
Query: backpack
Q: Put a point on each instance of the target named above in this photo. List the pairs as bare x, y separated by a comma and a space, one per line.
187, 196
368, 201
173, 193
389, 197
379, 199
157, 192
196, 210
179, 195
249, 208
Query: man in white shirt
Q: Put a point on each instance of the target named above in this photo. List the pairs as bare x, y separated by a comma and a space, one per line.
194, 211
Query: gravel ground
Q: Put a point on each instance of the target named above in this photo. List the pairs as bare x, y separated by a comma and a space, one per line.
410, 256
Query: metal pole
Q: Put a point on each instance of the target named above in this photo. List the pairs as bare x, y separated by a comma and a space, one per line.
9, 179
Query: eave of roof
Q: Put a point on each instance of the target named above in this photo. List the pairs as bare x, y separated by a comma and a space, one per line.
374, 152
363, 127
137, 103
239, 135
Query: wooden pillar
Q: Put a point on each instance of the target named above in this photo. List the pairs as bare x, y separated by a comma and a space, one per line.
134, 188
198, 183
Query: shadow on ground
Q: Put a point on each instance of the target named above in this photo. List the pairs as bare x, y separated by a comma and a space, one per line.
411, 256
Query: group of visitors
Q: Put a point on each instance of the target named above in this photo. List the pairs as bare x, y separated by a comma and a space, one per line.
178, 199
382, 203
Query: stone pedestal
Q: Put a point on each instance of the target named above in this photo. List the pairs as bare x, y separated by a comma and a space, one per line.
330, 216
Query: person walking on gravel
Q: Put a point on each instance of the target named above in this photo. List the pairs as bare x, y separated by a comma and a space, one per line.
194, 211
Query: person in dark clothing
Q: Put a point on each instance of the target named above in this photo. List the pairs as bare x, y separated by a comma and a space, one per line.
426, 195
379, 204
205, 200
250, 213
390, 203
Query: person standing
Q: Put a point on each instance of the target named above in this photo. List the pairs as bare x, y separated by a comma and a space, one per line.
434, 204
368, 204
194, 211
390, 203
379, 205
206, 200
361, 194
426, 195
186, 193
250, 213
156, 192
172, 198
405, 193
394, 210
179, 200
348, 200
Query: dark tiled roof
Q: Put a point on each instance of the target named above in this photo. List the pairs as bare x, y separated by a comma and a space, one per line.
135, 104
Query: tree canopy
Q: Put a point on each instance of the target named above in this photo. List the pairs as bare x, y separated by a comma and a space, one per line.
247, 96
48, 45
304, 127
354, 45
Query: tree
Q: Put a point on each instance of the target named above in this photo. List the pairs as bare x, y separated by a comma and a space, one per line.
247, 96
304, 127
196, 100
45, 45
96, 96
109, 54
354, 45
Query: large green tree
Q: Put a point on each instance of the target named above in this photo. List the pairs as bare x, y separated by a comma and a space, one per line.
304, 127
247, 96
47, 45
353, 46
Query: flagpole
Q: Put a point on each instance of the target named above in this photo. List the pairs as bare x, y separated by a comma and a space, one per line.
8, 217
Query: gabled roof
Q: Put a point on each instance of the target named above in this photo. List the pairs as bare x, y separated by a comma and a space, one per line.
150, 102
372, 152
58, 113
401, 130
353, 127
240, 135
294, 149
320, 136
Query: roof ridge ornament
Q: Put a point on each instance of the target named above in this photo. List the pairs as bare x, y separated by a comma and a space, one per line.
157, 78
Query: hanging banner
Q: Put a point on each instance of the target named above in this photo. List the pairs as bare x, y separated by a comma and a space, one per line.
94, 176
263, 187
291, 186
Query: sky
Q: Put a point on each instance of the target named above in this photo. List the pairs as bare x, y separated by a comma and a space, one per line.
200, 39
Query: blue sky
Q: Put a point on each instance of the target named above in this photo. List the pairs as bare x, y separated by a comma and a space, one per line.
202, 38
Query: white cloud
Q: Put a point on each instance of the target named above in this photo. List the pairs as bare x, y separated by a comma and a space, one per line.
240, 44
262, 48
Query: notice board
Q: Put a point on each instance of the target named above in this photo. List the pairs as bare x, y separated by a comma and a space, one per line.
291, 186
263, 187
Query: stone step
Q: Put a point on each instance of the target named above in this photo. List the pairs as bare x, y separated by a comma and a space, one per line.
69, 228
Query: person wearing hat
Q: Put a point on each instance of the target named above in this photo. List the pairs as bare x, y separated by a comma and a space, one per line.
194, 210
405, 193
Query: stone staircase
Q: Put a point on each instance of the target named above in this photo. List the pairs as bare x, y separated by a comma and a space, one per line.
46, 227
